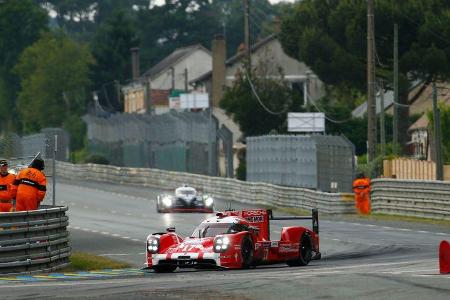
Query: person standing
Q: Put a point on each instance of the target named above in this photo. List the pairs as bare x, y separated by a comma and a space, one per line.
361, 188
7, 189
31, 186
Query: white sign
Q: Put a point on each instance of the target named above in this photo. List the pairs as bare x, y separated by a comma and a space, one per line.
306, 122
174, 103
194, 100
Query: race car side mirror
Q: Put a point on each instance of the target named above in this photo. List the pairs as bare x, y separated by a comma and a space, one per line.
170, 229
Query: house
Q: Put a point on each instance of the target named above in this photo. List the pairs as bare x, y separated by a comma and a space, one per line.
171, 73
268, 58
421, 140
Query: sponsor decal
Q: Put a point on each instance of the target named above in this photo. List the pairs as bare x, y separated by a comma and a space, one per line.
288, 248
254, 213
273, 244
255, 219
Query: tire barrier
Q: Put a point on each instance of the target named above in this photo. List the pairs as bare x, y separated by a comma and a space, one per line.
415, 198
221, 188
34, 241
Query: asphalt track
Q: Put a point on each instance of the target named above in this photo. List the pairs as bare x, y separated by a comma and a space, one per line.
361, 260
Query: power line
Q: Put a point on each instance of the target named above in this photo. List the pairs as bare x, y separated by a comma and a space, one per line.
259, 99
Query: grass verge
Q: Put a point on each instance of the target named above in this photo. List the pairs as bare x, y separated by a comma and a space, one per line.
80, 261
385, 217
372, 217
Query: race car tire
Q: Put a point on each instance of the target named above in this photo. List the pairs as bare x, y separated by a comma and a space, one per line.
305, 252
247, 251
164, 269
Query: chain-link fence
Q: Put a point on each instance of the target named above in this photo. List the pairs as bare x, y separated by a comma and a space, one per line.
325, 163
177, 141
20, 151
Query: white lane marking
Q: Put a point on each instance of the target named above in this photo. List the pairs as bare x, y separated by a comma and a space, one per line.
423, 231
113, 211
136, 240
404, 229
128, 214
120, 254
442, 233
86, 207
116, 235
105, 233
337, 240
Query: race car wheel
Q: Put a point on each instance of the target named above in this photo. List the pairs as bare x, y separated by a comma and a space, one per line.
164, 269
247, 250
305, 252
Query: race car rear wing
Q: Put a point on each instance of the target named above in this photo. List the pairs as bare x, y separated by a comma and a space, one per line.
314, 217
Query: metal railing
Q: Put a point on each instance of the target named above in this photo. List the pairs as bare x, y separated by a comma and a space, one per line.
417, 198
221, 188
34, 241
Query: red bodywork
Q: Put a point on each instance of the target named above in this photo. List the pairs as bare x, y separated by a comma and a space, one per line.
199, 252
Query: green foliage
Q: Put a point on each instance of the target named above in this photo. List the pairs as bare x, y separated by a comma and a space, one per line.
77, 130
331, 38
111, 48
241, 102
445, 129
20, 24
54, 74
241, 171
96, 159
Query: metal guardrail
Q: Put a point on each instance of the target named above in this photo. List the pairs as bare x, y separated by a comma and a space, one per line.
221, 188
417, 198
34, 241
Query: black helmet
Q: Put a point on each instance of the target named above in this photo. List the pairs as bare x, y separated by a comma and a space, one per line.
38, 163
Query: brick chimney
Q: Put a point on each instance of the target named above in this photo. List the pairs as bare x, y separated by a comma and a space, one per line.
218, 69
135, 68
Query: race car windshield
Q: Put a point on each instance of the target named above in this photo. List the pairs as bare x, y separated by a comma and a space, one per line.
211, 230
185, 193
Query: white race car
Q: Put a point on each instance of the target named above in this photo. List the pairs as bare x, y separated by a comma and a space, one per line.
185, 199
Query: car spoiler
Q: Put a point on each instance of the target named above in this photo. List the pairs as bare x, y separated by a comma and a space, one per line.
314, 217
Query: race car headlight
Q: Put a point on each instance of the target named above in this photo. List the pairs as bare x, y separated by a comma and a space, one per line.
209, 201
153, 244
221, 244
167, 201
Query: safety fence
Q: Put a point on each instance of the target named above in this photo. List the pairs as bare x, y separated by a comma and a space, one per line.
320, 162
222, 188
34, 241
176, 141
428, 199
412, 169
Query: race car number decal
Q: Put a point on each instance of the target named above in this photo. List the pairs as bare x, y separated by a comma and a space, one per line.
255, 219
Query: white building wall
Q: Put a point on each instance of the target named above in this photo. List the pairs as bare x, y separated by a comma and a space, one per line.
197, 63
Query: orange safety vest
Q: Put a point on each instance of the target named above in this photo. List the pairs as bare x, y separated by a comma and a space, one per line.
7, 192
361, 188
31, 187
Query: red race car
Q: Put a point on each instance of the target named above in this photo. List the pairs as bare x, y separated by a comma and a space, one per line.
233, 240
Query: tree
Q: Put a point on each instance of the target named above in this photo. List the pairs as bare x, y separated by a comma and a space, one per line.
445, 130
330, 37
111, 51
260, 109
20, 24
54, 76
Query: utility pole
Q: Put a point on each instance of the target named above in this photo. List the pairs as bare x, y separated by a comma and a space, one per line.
148, 94
172, 73
395, 106
247, 35
117, 85
382, 128
371, 109
437, 135
55, 149
186, 80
